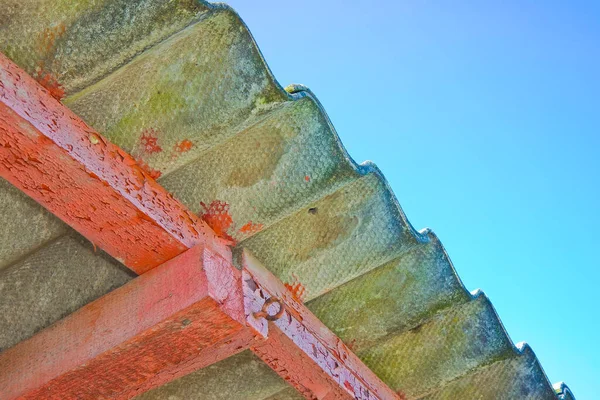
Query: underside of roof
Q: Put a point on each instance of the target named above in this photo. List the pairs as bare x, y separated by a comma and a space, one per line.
182, 86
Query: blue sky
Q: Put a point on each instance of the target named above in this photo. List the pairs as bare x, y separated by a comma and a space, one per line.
485, 118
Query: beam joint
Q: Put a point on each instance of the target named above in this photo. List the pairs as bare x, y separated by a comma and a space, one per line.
182, 316
189, 308
298, 346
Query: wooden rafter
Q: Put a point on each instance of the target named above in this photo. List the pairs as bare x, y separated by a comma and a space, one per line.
166, 323
94, 186
190, 307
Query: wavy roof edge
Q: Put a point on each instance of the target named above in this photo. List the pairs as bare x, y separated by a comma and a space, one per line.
298, 91
563, 391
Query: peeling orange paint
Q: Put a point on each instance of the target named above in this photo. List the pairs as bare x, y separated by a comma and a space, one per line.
51, 84
91, 184
149, 141
184, 146
217, 216
153, 173
297, 289
251, 228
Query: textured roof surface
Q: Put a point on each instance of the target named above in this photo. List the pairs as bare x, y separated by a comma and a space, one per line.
183, 87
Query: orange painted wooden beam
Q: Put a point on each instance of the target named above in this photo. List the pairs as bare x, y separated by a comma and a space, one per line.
299, 347
177, 318
183, 313
188, 313
94, 186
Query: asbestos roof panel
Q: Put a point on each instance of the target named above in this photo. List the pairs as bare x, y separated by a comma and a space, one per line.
182, 86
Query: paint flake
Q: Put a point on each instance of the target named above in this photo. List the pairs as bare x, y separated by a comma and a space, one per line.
184, 146
217, 216
251, 228
149, 141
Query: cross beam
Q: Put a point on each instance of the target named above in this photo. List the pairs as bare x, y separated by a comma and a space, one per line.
188, 313
166, 323
189, 308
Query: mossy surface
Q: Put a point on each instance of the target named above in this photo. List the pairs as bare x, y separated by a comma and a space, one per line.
182, 86
79, 42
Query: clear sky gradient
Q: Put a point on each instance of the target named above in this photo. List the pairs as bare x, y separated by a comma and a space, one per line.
485, 118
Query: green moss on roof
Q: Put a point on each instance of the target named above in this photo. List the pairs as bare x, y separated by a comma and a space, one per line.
182, 86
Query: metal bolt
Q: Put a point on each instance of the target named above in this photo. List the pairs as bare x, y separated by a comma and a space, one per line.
264, 312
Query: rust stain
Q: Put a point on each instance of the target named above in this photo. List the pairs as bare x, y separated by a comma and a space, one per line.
46, 42
51, 84
351, 345
251, 228
152, 173
184, 146
217, 216
49, 35
149, 141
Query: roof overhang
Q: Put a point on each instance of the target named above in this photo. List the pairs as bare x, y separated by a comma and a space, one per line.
190, 307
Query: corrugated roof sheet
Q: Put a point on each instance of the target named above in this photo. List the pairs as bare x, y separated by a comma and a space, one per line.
182, 86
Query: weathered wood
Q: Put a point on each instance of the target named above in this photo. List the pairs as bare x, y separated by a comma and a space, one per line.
299, 347
190, 312
183, 313
88, 182
177, 318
